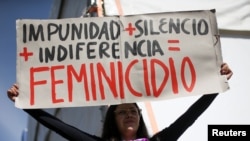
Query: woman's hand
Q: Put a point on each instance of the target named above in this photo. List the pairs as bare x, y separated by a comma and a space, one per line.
225, 70
13, 92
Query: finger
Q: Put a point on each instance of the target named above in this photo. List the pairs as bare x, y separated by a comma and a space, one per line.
225, 69
229, 75
13, 91
11, 95
224, 66
15, 86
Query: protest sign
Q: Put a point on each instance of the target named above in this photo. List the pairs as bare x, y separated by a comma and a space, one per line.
109, 60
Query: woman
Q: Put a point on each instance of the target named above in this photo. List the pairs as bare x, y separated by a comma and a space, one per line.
124, 121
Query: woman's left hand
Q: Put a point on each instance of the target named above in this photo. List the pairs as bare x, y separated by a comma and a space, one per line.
225, 70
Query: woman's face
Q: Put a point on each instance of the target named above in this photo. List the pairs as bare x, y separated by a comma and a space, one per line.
127, 118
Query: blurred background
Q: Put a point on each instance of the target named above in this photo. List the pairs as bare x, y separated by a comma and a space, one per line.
13, 121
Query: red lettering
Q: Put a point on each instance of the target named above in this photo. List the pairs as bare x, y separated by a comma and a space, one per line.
54, 82
96, 76
93, 84
83, 75
146, 79
111, 81
121, 79
173, 76
33, 82
157, 91
186, 60
127, 79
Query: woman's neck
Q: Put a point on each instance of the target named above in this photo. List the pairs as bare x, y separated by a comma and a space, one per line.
129, 136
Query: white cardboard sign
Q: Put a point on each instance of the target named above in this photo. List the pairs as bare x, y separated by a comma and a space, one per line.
110, 60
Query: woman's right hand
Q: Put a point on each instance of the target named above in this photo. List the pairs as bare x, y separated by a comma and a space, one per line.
13, 92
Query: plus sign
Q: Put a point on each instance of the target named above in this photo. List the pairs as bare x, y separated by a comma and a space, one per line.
130, 29
25, 54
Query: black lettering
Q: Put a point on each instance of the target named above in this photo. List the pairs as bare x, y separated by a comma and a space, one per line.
41, 55
86, 31
139, 48
93, 30
36, 34
115, 50
183, 23
50, 30
139, 28
71, 55
194, 27
103, 48
114, 30
66, 33
78, 49
90, 50
49, 55
204, 24
151, 26
145, 28
76, 31
174, 26
162, 23
24, 33
128, 48
156, 48
61, 53
104, 31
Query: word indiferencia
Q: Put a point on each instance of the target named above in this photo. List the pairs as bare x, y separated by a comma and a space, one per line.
94, 50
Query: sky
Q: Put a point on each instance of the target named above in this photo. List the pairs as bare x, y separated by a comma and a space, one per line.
13, 120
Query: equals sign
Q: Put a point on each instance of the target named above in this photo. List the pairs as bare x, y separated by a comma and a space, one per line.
173, 48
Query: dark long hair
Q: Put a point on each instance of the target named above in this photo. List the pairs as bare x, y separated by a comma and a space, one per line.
110, 130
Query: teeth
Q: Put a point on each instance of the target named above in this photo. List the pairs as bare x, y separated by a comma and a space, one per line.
130, 128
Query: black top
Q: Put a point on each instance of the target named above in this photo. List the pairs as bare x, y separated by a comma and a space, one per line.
171, 133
